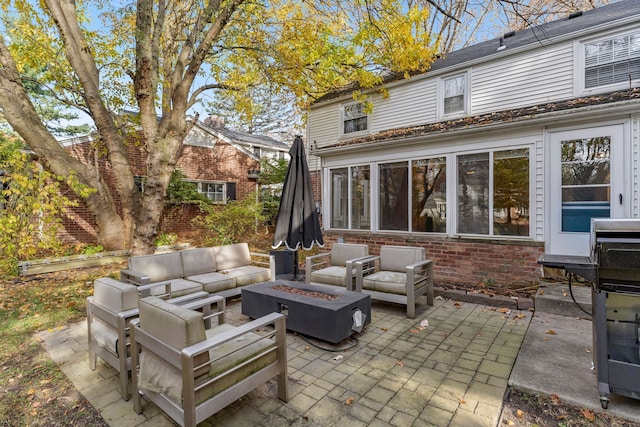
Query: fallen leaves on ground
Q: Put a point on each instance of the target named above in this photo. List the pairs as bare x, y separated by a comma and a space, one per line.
550, 332
588, 414
349, 401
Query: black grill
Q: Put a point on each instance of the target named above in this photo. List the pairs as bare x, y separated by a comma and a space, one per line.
614, 271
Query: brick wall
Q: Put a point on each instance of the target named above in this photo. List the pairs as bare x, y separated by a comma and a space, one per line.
223, 163
462, 261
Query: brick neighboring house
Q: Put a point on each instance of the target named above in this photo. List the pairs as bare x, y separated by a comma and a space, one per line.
222, 162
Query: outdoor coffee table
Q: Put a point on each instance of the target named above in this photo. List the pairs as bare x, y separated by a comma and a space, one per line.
322, 312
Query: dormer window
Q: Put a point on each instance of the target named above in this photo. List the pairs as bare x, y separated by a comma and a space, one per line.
454, 90
354, 118
612, 62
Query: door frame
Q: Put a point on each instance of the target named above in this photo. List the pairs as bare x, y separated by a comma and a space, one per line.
568, 243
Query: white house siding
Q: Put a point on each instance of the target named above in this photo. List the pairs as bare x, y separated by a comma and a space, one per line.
535, 77
408, 104
323, 127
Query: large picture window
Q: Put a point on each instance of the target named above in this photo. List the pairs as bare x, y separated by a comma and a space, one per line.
429, 195
611, 61
493, 193
394, 196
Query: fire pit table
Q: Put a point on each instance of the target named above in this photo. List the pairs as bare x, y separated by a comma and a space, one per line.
326, 313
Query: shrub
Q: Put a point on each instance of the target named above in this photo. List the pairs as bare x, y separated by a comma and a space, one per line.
234, 222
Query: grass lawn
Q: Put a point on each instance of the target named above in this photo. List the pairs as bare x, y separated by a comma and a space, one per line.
34, 390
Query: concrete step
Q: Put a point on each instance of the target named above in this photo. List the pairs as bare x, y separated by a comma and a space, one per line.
555, 298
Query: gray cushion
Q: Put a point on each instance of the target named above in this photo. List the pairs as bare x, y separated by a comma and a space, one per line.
158, 267
198, 261
105, 335
231, 256
115, 295
391, 282
214, 282
179, 287
334, 275
176, 326
397, 258
249, 274
343, 252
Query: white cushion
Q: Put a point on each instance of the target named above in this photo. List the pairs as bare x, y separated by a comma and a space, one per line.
105, 335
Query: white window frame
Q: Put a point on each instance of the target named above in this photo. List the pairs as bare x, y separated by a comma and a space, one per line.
580, 61
224, 190
343, 119
441, 95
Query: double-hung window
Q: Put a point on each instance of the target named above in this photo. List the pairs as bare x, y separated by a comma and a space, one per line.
612, 62
354, 118
215, 191
454, 95
493, 193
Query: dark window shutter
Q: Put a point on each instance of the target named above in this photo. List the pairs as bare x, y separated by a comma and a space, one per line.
231, 191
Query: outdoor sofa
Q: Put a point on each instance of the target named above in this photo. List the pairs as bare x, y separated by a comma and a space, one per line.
220, 270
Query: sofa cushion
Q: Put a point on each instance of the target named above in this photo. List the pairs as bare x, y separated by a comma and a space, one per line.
397, 258
115, 295
198, 261
179, 287
343, 252
249, 274
158, 267
391, 282
231, 256
214, 282
334, 275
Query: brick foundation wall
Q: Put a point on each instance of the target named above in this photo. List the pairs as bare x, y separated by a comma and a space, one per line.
463, 261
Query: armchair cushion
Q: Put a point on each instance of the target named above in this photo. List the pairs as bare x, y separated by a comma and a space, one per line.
397, 258
343, 252
115, 295
231, 256
333, 275
179, 327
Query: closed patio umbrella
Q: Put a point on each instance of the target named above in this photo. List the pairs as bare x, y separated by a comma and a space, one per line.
297, 224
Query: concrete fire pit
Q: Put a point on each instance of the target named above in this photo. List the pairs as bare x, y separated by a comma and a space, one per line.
325, 314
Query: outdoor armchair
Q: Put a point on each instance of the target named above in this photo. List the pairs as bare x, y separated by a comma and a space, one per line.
113, 305
191, 371
400, 274
335, 267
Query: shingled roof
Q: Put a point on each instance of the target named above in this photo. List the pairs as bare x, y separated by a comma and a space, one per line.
492, 118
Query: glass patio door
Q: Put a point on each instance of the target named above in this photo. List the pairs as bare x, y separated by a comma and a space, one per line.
585, 181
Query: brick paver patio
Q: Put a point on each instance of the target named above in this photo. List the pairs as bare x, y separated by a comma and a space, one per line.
453, 372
